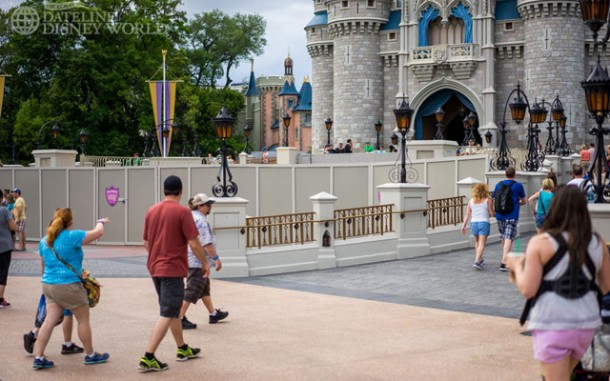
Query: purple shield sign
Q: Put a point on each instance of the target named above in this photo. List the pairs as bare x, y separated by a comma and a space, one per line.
112, 195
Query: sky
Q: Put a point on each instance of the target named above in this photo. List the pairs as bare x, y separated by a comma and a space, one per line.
285, 22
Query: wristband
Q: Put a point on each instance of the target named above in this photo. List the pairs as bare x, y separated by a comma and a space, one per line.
100, 222
215, 258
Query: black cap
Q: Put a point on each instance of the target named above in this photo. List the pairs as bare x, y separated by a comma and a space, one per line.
172, 183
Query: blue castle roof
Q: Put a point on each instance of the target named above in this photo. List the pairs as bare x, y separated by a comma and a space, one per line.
252, 90
304, 98
319, 18
289, 89
393, 21
507, 10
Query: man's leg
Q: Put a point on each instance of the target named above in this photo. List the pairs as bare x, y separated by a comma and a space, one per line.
207, 302
506, 245
158, 333
67, 326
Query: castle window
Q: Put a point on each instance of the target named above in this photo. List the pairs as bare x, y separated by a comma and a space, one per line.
392, 36
509, 26
313, 30
307, 119
290, 103
367, 89
370, 3
348, 54
344, 4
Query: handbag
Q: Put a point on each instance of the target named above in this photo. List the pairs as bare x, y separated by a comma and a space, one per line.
92, 286
597, 356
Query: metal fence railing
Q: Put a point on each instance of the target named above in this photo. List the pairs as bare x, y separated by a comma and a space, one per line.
279, 230
358, 222
445, 211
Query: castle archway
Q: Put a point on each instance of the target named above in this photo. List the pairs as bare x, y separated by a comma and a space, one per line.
456, 100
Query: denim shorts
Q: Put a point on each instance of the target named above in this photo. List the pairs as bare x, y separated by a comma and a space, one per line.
480, 228
539, 220
551, 346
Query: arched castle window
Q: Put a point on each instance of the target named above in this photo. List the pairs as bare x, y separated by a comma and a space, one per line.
456, 30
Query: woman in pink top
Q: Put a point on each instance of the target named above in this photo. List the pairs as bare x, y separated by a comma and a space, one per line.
585, 157
479, 210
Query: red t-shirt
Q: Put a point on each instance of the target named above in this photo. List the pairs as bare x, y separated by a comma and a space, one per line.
167, 227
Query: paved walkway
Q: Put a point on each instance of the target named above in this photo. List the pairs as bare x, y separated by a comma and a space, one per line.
428, 318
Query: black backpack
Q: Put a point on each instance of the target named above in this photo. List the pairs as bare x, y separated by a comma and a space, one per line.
572, 284
504, 198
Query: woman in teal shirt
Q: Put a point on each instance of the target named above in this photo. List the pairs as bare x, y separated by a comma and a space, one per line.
544, 197
62, 287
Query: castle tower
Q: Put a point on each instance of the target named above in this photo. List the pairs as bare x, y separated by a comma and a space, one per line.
554, 58
320, 48
289, 97
354, 26
252, 109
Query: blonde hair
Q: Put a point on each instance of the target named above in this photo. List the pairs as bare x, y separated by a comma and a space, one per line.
480, 191
547, 184
62, 219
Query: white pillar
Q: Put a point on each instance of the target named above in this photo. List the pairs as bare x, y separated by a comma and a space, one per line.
411, 227
286, 155
324, 208
243, 158
230, 212
600, 219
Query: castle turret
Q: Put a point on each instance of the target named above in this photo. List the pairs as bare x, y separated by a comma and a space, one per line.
252, 110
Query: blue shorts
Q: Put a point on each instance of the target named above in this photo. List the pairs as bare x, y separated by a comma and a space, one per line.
480, 228
539, 220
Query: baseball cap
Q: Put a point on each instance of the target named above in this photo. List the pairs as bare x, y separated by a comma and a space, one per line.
17, 190
201, 199
172, 183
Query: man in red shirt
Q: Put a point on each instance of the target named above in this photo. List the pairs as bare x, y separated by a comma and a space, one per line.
168, 229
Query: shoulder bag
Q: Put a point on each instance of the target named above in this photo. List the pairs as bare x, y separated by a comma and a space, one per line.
92, 286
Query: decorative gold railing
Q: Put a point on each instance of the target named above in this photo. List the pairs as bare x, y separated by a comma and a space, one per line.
111, 161
279, 230
445, 211
357, 222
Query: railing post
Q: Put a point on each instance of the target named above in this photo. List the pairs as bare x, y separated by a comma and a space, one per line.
324, 208
411, 227
231, 243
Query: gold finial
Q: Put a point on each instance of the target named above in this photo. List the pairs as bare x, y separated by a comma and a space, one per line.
164, 52
306, 79
252, 64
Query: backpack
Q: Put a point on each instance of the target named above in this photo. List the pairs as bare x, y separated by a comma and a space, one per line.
572, 284
504, 198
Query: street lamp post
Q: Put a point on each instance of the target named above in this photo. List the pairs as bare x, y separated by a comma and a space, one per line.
247, 132
403, 116
329, 126
564, 148
378, 127
54, 129
286, 118
82, 136
439, 115
224, 186
552, 144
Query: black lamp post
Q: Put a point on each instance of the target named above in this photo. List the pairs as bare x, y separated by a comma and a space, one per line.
196, 147
403, 116
82, 136
564, 148
247, 132
54, 129
378, 127
597, 93
329, 126
286, 118
595, 15
439, 115
555, 116
224, 186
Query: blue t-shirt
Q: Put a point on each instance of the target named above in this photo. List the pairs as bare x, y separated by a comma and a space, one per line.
517, 192
544, 202
68, 246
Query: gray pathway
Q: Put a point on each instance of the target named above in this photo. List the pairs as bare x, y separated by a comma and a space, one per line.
443, 281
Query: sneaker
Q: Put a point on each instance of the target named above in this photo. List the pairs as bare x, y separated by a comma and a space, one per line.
503, 267
188, 353
220, 315
72, 349
42, 363
482, 262
152, 365
4, 304
186, 324
477, 265
28, 341
96, 358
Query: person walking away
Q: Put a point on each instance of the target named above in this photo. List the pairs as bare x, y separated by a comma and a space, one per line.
478, 212
10, 205
543, 201
585, 156
509, 196
62, 287
20, 217
168, 229
198, 286
563, 319
68, 347
7, 225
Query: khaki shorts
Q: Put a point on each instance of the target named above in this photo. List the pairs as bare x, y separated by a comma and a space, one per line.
68, 296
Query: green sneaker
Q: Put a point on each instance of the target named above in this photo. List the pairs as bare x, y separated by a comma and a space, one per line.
153, 364
188, 353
